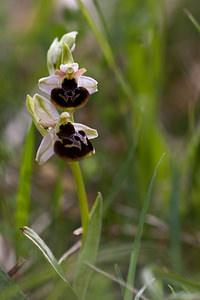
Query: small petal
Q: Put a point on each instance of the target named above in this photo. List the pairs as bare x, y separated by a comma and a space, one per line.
64, 68
90, 132
60, 73
80, 72
44, 109
46, 84
45, 151
89, 83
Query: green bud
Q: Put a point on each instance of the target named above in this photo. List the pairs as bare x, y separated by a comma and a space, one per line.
60, 51
69, 39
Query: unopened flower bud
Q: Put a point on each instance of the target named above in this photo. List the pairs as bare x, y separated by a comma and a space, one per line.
60, 51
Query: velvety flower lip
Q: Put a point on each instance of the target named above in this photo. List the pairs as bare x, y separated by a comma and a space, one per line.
68, 88
70, 141
72, 145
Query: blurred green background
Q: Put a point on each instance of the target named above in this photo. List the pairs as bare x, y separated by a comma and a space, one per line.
147, 104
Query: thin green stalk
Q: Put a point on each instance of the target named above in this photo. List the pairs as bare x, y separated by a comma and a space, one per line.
103, 22
23, 196
192, 19
175, 234
82, 197
107, 51
135, 251
119, 276
121, 174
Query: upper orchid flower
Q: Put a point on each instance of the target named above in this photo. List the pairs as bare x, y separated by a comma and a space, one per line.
69, 141
68, 88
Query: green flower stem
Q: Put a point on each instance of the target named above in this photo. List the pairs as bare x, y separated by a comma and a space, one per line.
82, 197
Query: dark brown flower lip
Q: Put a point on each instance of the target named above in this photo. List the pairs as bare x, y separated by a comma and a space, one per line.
72, 145
69, 95
74, 152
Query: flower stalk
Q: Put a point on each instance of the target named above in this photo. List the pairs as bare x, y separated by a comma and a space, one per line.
82, 197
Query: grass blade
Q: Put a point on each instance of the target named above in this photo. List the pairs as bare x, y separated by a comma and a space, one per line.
113, 278
135, 251
8, 288
103, 22
107, 51
119, 276
192, 19
175, 236
100, 38
118, 179
23, 197
89, 250
177, 280
35, 238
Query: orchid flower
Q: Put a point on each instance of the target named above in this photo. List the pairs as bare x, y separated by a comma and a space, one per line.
68, 140
68, 88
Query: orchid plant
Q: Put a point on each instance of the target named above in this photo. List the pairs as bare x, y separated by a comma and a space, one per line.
68, 90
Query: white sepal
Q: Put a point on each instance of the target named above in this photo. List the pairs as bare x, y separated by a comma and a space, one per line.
45, 151
44, 109
52, 54
30, 107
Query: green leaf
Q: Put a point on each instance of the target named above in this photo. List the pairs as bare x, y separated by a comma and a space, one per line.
136, 246
35, 238
23, 197
89, 251
8, 289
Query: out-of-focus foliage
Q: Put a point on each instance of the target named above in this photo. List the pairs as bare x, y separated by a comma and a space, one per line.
156, 49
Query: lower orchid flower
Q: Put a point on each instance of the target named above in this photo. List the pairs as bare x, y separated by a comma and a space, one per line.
68, 88
70, 141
